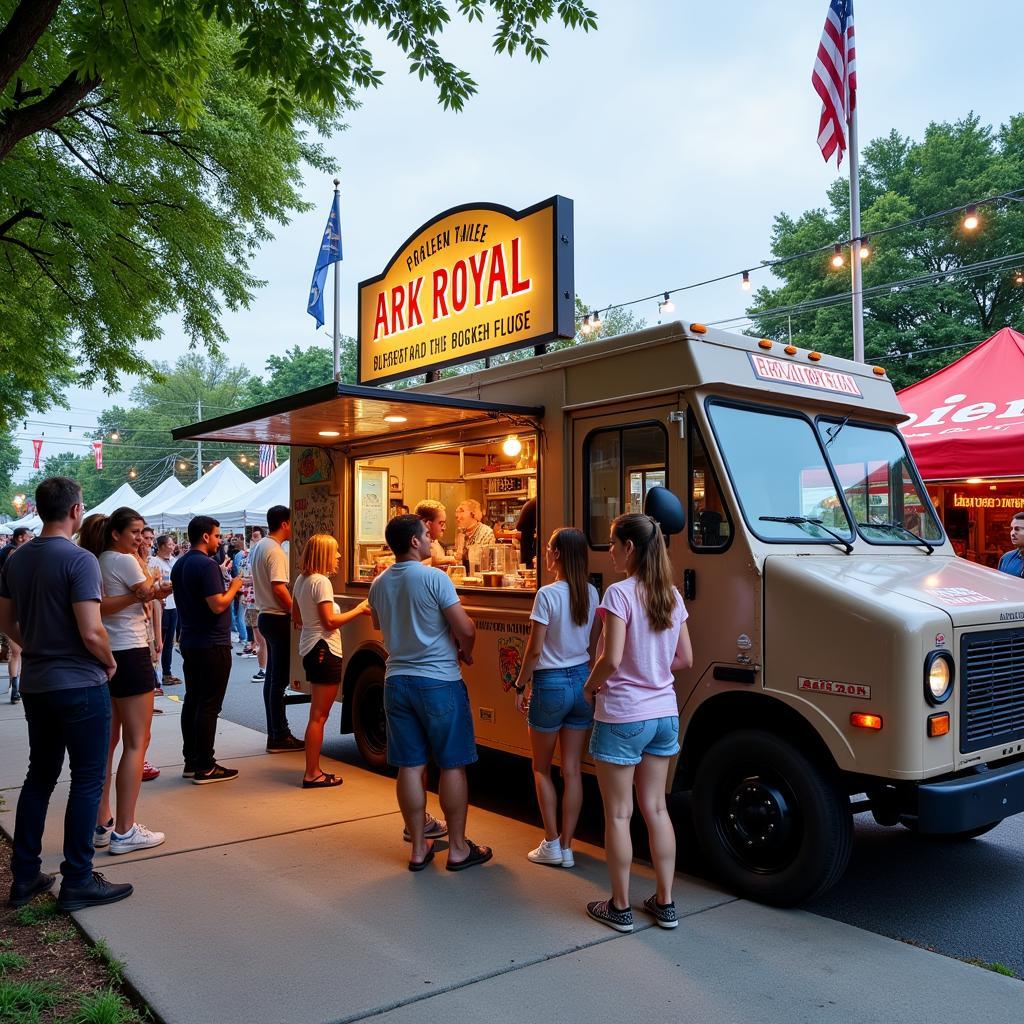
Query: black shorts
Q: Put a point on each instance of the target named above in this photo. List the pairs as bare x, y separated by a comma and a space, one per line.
322, 665
134, 675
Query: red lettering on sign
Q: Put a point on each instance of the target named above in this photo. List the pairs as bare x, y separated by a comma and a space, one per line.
459, 282
381, 319
497, 276
397, 302
415, 315
519, 284
440, 287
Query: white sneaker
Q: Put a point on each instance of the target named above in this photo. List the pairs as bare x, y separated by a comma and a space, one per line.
138, 837
547, 853
567, 861
101, 835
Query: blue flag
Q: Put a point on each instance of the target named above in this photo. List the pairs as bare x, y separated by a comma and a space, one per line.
330, 252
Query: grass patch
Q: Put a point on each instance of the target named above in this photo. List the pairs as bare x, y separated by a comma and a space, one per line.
51, 936
103, 1008
11, 961
22, 1002
995, 967
101, 952
36, 913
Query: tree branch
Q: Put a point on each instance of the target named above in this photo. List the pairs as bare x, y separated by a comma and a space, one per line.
19, 216
28, 22
17, 124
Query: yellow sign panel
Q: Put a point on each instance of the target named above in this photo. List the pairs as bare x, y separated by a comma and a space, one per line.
474, 281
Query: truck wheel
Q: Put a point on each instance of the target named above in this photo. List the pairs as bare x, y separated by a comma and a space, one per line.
368, 722
952, 837
772, 825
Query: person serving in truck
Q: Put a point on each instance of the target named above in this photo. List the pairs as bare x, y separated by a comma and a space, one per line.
1013, 561
471, 530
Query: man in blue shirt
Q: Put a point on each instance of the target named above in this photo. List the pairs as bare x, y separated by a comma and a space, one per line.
50, 605
1013, 561
204, 608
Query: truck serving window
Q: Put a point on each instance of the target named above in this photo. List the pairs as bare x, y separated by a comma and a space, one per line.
622, 465
785, 487
882, 489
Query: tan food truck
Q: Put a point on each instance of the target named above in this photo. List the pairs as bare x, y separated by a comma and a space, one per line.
845, 659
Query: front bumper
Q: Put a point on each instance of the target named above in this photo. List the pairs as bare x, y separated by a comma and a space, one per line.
970, 801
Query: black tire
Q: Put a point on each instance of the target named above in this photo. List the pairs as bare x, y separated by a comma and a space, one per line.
952, 837
368, 723
774, 827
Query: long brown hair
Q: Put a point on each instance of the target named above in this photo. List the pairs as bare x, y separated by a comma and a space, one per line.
652, 568
571, 546
97, 531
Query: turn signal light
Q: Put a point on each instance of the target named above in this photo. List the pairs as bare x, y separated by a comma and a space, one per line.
790, 350
878, 371
938, 725
698, 329
764, 343
815, 356
864, 721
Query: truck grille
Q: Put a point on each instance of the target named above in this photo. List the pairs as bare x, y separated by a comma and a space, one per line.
991, 688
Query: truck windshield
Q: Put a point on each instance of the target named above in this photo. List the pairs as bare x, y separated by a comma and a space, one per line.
879, 483
780, 475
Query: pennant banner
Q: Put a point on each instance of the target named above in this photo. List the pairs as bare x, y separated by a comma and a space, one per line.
37, 447
97, 451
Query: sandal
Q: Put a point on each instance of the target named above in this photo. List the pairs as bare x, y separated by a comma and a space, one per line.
420, 865
477, 855
323, 781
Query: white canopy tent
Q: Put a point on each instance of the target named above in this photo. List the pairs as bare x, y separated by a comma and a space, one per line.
221, 485
162, 496
250, 508
124, 495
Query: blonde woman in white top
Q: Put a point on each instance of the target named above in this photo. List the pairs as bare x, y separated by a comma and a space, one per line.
313, 609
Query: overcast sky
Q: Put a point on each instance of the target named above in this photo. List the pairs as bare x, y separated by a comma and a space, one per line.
678, 129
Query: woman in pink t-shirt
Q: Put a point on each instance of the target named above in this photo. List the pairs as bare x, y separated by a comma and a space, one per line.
636, 716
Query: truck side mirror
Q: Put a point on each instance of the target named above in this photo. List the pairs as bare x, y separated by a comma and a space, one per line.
666, 510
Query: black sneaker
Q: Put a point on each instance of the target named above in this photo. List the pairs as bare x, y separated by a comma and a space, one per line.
22, 893
606, 913
188, 772
664, 913
94, 893
218, 773
285, 745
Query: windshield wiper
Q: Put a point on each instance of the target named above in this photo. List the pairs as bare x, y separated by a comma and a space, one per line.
899, 526
801, 520
835, 430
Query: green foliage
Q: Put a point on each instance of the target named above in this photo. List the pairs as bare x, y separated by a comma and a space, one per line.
300, 369
101, 951
901, 180
10, 961
147, 148
103, 1008
22, 1002
36, 913
51, 936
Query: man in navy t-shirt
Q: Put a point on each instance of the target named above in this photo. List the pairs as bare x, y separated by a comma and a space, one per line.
204, 610
1013, 561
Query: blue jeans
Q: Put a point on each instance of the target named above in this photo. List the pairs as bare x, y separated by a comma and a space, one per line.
76, 721
557, 701
238, 623
428, 716
277, 631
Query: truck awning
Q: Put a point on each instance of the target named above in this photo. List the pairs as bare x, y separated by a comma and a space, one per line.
355, 413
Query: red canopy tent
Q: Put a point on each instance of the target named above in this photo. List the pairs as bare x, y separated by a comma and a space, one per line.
968, 419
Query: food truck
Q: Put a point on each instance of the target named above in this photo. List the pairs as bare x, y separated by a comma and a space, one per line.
845, 659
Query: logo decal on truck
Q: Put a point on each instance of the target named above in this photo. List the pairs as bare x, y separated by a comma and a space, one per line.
834, 687
510, 660
780, 371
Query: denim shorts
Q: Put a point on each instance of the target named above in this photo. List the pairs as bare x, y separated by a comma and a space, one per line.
557, 700
428, 717
627, 742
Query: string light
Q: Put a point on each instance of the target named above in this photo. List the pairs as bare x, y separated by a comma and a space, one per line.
114, 435
1018, 278
667, 305
865, 248
596, 322
971, 218
585, 327
745, 283
132, 473
838, 260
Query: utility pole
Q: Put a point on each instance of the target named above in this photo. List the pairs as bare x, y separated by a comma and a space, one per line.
199, 444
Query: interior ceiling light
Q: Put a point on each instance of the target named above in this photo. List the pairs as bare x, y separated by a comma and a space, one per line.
395, 418
331, 433
512, 446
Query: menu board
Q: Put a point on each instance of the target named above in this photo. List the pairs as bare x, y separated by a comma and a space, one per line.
371, 503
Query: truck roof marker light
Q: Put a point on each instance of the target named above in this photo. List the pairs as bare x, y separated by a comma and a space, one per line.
862, 720
764, 343
878, 371
814, 356
698, 329
790, 350
938, 725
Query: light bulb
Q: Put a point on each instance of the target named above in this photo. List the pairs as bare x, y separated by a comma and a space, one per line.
837, 256
596, 322
512, 446
971, 218
133, 474
182, 466
745, 283
585, 327
115, 436
668, 306
865, 248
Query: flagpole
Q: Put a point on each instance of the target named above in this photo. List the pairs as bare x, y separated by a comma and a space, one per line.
337, 302
855, 243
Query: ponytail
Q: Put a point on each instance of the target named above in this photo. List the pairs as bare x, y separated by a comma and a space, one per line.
97, 531
652, 568
571, 546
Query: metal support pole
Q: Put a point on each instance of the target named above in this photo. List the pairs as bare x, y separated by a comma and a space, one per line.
337, 304
855, 238
199, 444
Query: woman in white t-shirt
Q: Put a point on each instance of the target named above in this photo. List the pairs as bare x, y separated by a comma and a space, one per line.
313, 609
563, 638
127, 589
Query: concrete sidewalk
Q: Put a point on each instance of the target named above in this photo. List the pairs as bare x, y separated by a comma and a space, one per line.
270, 903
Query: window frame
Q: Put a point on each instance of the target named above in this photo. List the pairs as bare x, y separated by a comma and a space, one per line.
587, 441
692, 427
916, 476
769, 410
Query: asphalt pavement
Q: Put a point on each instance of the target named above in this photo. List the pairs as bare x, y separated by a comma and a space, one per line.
962, 899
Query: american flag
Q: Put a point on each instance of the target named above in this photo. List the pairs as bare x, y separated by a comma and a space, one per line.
268, 459
835, 78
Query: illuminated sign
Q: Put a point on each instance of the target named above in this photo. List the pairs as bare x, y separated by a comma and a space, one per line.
779, 371
961, 500
474, 281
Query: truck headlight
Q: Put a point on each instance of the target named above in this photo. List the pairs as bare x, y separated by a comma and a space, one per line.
938, 677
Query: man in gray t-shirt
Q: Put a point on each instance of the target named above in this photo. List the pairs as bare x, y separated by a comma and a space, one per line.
426, 632
50, 603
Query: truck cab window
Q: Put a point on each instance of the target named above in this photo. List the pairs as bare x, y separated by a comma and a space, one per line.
709, 522
622, 465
